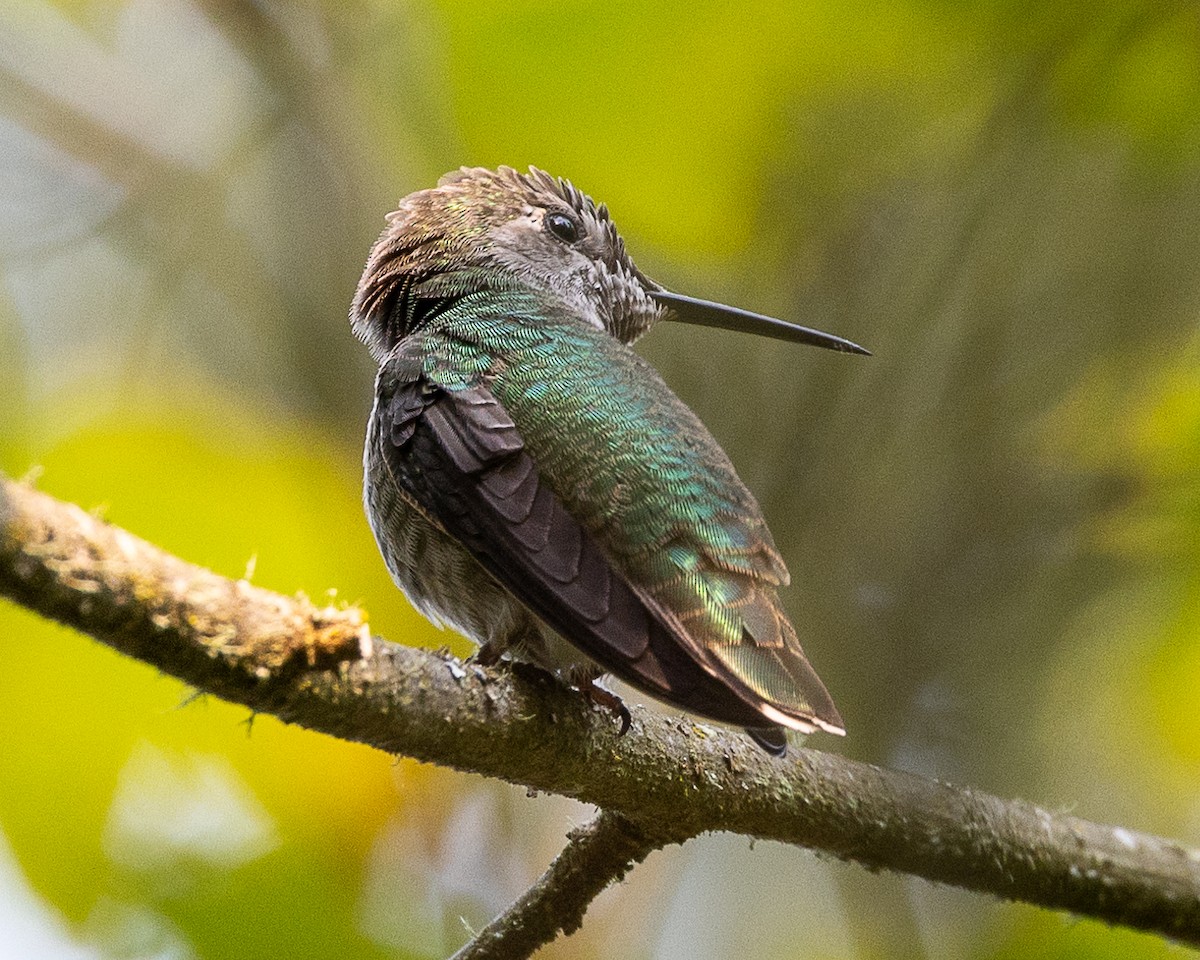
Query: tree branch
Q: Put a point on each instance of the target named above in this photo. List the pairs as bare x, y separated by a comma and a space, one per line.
596, 855
671, 776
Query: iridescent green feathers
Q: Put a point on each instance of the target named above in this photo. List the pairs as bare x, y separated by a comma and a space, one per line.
512, 413
639, 473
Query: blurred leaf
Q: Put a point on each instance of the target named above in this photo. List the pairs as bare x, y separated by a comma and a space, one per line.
1050, 936
1138, 652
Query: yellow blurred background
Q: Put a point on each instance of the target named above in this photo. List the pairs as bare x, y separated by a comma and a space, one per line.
993, 525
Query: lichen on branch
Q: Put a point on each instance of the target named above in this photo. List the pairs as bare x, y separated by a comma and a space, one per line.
669, 779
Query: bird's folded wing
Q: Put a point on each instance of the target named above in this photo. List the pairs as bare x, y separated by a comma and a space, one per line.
459, 453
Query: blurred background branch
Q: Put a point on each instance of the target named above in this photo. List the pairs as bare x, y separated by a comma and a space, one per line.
597, 854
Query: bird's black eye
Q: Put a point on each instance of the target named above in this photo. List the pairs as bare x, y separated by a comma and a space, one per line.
562, 226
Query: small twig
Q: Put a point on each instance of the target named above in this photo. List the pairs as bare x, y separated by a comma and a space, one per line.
319, 668
596, 855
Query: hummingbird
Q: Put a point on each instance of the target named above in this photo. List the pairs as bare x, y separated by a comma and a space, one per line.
533, 483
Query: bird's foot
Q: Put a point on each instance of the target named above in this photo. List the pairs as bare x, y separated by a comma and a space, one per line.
488, 655
609, 701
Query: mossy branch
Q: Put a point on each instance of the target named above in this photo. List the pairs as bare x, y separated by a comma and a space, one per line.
668, 779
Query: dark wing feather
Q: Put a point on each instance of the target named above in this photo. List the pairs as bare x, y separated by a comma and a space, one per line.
460, 455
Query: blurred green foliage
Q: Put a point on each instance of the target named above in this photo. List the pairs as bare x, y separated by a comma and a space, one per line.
992, 524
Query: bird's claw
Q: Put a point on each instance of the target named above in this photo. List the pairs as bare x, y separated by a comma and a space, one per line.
611, 702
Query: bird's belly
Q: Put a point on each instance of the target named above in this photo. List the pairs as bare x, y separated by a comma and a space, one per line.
449, 586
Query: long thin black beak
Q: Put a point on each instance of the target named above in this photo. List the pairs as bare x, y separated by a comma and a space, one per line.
705, 313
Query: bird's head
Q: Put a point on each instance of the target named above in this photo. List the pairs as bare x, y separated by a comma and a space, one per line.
483, 228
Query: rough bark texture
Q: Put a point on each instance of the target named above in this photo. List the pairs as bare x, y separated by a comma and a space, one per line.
670, 777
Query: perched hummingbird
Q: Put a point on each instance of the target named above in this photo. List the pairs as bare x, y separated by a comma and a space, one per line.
533, 482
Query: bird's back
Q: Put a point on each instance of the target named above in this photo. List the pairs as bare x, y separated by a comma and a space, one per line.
644, 477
